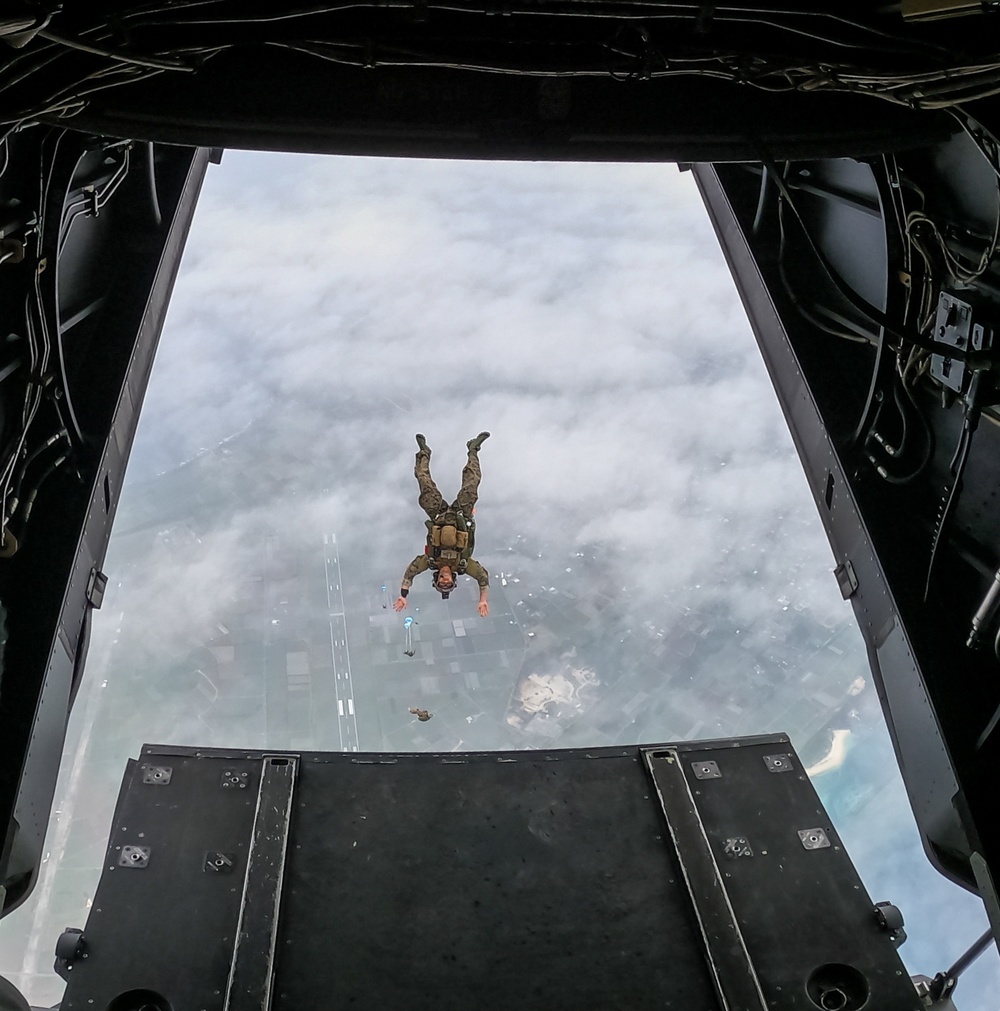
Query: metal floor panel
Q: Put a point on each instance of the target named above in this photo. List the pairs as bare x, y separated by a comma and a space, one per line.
541, 880
607, 878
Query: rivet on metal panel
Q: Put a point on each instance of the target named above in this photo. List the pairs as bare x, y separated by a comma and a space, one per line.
706, 770
737, 847
134, 856
778, 763
232, 779
157, 775
814, 838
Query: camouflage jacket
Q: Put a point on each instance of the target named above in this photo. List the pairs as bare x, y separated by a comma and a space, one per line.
460, 559
465, 567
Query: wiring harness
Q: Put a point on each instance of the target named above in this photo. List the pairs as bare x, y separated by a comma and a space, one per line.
40, 432
64, 59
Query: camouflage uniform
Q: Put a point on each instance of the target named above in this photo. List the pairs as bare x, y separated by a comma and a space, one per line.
432, 502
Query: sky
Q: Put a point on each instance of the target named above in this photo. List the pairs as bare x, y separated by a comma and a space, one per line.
579, 328
327, 309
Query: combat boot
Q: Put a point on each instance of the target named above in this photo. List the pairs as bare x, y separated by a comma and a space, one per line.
475, 443
422, 445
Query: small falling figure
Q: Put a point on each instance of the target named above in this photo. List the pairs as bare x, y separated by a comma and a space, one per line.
385, 597
408, 624
421, 714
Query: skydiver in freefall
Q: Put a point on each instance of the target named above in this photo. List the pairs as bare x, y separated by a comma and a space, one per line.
407, 623
451, 529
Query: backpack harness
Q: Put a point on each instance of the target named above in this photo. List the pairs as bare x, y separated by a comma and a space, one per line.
449, 540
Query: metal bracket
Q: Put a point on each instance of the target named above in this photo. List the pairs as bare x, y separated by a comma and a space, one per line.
955, 325
778, 763
219, 863
846, 580
738, 846
135, 856
157, 775
96, 586
931, 993
232, 779
706, 770
814, 838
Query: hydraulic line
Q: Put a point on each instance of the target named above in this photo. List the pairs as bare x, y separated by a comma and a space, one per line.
905, 401
929, 441
860, 303
28, 461
875, 386
957, 468
118, 57
806, 313
29, 502
153, 197
985, 615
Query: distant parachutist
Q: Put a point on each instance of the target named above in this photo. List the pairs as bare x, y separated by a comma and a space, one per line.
408, 624
421, 714
385, 597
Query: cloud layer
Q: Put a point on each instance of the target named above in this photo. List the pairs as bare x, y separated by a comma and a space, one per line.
589, 324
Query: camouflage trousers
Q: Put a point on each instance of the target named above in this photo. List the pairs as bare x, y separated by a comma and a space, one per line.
431, 500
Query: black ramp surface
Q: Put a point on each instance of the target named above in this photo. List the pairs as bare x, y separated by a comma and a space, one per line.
493, 880
787, 919
165, 914
487, 881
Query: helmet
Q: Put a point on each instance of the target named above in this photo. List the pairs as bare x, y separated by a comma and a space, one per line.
444, 593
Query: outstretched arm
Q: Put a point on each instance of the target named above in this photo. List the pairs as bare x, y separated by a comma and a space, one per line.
481, 576
418, 565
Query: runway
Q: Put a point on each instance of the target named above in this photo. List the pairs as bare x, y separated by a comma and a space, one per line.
340, 653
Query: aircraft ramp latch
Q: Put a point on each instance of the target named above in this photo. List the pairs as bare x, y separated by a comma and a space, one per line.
890, 919
69, 948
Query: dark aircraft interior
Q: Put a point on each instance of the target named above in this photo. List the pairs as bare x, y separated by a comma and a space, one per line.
848, 157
